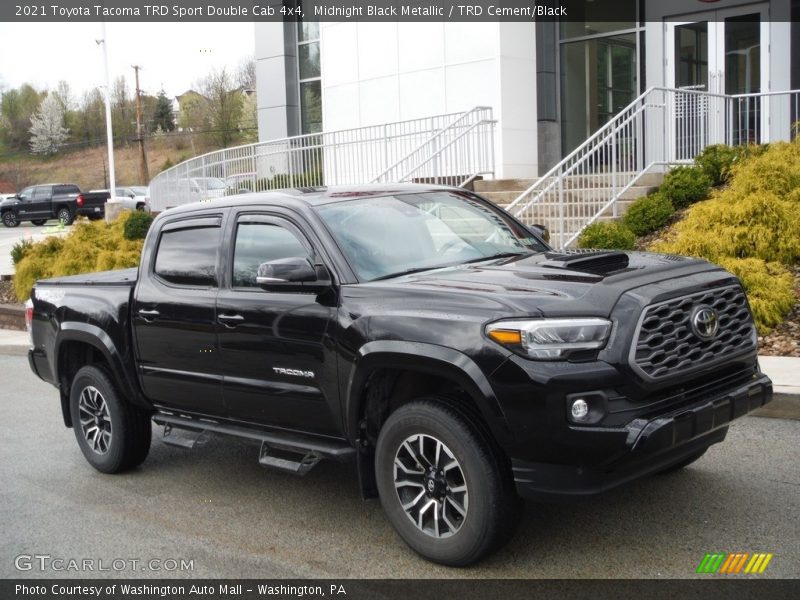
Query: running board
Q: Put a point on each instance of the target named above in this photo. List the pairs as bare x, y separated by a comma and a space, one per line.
287, 451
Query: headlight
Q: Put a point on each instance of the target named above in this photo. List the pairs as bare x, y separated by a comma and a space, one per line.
550, 339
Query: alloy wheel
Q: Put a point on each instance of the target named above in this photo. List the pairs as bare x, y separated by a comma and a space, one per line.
95, 419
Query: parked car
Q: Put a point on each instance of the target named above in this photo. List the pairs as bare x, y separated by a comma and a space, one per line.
62, 201
418, 331
135, 197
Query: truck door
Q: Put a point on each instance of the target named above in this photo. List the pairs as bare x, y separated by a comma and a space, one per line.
278, 363
38, 205
174, 316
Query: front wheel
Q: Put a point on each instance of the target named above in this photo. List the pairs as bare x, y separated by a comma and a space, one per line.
10, 219
113, 435
65, 216
39, 222
443, 486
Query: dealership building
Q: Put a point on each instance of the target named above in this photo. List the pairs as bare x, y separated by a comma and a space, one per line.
549, 85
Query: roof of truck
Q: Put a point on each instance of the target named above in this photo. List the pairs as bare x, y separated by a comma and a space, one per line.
315, 196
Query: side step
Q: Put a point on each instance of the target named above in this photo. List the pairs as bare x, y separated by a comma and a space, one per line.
287, 451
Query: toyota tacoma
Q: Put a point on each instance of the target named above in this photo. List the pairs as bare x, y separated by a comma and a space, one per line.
418, 331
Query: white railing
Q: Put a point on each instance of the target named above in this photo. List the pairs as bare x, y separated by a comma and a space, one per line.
663, 127
450, 149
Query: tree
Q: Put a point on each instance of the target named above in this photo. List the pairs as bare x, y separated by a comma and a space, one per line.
123, 112
92, 118
248, 122
162, 115
17, 106
64, 96
224, 106
48, 133
246, 74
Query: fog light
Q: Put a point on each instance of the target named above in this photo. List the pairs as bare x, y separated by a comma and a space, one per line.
580, 409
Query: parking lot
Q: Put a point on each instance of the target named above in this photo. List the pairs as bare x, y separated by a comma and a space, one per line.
10, 236
216, 507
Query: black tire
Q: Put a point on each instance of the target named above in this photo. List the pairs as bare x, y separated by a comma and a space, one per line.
129, 428
39, 222
684, 463
491, 504
65, 215
10, 219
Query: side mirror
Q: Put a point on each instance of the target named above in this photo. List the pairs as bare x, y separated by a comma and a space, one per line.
295, 274
131, 196
542, 230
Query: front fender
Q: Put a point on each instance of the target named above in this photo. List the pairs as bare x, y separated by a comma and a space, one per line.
424, 358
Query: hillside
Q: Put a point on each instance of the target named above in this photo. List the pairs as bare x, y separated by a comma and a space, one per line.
86, 167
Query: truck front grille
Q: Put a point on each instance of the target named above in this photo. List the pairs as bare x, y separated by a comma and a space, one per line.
667, 344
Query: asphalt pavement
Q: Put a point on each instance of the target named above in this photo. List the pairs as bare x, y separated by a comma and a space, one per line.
11, 235
216, 507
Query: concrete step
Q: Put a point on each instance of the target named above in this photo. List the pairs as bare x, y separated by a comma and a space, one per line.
574, 181
600, 195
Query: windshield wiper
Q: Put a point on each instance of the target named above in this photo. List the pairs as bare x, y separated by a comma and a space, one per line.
498, 256
408, 272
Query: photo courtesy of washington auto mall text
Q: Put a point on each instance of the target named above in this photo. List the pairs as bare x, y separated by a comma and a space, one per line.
389, 300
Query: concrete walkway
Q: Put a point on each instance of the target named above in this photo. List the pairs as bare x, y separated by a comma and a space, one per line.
784, 372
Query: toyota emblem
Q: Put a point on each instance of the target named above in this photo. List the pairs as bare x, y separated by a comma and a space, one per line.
705, 322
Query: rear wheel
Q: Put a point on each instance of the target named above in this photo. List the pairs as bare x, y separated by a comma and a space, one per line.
65, 216
39, 222
10, 219
442, 484
113, 435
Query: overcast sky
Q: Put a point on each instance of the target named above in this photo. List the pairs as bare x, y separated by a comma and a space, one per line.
173, 55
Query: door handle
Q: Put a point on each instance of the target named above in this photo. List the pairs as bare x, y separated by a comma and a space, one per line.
149, 315
230, 320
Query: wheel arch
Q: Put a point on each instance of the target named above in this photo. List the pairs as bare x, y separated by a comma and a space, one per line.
427, 360
80, 344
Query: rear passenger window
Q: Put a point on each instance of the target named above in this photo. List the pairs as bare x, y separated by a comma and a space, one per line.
189, 256
66, 189
42, 192
261, 242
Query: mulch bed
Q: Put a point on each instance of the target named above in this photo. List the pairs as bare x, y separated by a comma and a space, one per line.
7, 295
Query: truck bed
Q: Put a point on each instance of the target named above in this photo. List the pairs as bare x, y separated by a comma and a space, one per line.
119, 277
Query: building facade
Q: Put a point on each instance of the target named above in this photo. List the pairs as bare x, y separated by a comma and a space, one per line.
550, 85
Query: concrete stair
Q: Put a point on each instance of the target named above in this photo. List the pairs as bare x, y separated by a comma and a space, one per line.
585, 197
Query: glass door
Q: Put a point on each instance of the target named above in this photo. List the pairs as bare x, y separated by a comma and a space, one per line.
715, 55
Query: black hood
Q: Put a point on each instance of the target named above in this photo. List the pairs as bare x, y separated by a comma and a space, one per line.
553, 283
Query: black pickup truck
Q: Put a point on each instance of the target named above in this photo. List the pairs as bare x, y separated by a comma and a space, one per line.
62, 201
418, 331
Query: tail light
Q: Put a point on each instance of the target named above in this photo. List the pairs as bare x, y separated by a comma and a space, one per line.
29, 318
79, 200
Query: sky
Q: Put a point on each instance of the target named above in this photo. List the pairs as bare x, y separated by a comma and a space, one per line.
173, 56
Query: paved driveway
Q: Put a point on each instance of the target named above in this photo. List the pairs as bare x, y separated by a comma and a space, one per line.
217, 507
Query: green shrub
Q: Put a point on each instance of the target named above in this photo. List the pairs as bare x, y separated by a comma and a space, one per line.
717, 162
757, 226
769, 288
607, 235
20, 249
685, 185
168, 164
137, 225
90, 246
774, 168
648, 214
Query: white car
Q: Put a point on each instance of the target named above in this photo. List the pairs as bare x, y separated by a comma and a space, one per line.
135, 197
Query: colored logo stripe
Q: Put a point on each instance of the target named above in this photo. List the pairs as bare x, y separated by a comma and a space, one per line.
721, 562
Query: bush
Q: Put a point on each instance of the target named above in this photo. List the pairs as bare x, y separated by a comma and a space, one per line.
89, 247
607, 235
137, 225
756, 226
769, 289
648, 214
20, 249
717, 162
685, 185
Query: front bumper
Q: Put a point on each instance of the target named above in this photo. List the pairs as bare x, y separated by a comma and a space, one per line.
650, 445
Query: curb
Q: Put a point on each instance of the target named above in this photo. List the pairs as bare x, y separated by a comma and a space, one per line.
783, 406
12, 316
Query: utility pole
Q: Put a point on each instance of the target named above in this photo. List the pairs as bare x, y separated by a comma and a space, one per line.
143, 171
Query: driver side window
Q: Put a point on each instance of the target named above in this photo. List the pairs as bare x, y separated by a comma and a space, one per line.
257, 243
26, 194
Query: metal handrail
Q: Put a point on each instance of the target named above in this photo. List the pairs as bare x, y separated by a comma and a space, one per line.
662, 126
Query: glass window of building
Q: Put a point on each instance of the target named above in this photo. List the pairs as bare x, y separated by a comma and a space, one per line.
600, 63
309, 72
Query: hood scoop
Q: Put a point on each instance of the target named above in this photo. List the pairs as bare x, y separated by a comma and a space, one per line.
596, 262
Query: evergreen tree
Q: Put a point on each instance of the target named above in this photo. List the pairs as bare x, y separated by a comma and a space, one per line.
163, 117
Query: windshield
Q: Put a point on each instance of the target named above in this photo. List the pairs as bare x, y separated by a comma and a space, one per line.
210, 183
392, 235
139, 190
